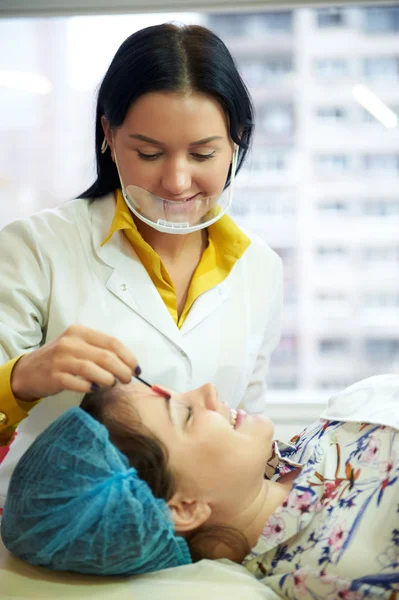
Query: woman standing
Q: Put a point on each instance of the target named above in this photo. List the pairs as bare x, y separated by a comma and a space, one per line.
144, 271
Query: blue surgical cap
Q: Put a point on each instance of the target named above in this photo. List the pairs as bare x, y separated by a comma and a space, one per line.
75, 504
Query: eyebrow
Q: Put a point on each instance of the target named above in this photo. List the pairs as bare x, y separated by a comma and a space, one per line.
144, 138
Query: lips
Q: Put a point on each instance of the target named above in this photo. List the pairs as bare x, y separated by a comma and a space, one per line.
237, 417
181, 200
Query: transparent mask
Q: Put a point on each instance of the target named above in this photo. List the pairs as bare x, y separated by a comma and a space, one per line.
179, 217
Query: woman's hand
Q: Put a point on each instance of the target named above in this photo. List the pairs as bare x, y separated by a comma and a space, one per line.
77, 359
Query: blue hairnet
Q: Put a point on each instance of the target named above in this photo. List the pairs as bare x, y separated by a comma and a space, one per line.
75, 504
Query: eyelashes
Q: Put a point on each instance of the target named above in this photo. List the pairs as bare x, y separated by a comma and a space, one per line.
153, 157
189, 413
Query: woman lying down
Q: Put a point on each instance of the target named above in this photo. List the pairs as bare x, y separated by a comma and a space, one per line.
131, 482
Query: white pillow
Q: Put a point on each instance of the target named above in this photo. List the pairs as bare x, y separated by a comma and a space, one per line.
206, 580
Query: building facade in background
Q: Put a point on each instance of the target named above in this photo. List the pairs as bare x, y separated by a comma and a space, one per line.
322, 185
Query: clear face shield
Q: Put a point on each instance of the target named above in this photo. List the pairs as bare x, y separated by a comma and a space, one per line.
179, 217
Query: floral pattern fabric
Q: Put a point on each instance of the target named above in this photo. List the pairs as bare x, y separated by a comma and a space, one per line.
336, 535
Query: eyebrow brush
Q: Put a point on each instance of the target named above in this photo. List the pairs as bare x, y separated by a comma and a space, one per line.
102, 388
154, 388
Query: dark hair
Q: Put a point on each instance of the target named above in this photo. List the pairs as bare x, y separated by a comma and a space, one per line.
149, 456
169, 58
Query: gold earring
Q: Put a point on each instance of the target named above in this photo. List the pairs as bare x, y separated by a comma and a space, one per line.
104, 146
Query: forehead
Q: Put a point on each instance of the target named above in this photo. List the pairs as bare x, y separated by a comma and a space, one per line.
160, 110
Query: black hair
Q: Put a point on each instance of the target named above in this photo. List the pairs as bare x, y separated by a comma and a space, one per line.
176, 59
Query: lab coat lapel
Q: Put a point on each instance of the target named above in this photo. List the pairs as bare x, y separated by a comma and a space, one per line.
124, 274
205, 305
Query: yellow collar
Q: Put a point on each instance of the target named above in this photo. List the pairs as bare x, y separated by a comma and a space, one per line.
226, 244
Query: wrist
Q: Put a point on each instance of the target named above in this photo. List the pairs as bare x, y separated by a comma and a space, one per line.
16, 382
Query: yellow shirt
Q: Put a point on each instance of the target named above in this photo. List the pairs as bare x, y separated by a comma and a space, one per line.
226, 244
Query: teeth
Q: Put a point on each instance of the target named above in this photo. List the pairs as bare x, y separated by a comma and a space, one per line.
233, 416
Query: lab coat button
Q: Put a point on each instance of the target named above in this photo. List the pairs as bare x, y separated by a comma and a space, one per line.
123, 287
182, 353
3, 419
220, 291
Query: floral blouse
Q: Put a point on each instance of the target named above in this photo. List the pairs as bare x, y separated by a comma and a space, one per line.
336, 535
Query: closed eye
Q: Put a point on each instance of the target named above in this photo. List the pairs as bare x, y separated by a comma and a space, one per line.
189, 413
197, 156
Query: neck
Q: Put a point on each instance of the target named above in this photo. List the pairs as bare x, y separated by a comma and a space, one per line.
270, 497
170, 247
251, 520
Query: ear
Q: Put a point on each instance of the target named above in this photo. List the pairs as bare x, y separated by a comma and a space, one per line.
108, 135
188, 514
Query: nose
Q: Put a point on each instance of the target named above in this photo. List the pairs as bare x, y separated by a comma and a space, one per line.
176, 177
206, 396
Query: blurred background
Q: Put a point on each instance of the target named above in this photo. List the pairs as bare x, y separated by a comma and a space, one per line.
321, 185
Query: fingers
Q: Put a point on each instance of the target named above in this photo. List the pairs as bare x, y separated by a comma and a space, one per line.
107, 343
90, 371
74, 384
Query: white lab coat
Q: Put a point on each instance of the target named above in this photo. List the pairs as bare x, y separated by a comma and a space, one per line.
54, 273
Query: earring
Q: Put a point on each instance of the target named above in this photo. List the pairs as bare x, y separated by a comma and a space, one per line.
104, 146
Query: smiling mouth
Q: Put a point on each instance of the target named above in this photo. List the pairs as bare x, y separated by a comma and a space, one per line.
182, 201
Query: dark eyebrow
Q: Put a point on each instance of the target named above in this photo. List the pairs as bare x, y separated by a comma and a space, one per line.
144, 138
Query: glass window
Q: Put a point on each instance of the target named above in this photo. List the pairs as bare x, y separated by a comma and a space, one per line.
253, 25
331, 252
333, 162
381, 67
333, 346
332, 113
333, 207
334, 384
381, 19
332, 67
259, 73
380, 349
275, 119
381, 300
381, 163
373, 254
330, 17
373, 207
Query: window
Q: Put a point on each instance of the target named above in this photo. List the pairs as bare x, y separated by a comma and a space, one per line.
381, 67
265, 159
331, 252
327, 347
253, 25
330, 17
335, 385
373, 254
380, 349
381, 19
333, 163
332, 304
333, 207
380, 208
276, 119
332, 67
335, 114
381, 300
383, 164
259, 73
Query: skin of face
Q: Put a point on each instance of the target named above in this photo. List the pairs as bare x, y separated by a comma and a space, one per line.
174, 166
218, 469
